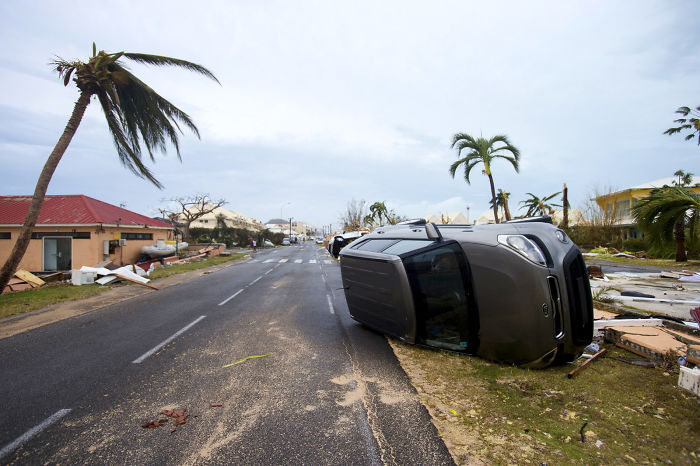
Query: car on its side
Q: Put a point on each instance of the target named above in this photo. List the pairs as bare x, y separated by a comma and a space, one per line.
515, 292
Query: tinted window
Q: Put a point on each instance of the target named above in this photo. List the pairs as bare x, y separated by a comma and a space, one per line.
407, 245
445, 311
375, 245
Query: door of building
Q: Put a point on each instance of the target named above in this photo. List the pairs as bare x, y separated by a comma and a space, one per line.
57, 253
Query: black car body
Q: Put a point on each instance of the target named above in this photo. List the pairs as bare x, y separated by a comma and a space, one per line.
515, 292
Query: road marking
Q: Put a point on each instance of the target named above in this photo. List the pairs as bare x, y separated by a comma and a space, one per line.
145, 355
253, 282
330, 304
312, 261
254, 260
10, 447
323, 278
298, 261
269, 271
327, 262
282, 261
230, 297
268, 261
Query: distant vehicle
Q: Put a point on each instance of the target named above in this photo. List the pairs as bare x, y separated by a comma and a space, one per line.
268, 244
285, 242
338, 242
515, 292
320, 241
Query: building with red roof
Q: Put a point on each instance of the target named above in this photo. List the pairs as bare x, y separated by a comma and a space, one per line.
77, 230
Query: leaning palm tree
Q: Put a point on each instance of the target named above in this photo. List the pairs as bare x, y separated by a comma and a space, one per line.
502, 202
136, 116
539, 206
665, 213
483, 151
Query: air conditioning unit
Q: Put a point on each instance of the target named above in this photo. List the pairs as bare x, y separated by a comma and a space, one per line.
122, 242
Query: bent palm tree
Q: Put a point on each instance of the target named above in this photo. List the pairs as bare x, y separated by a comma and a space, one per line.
536, 206
136, 116
502, 202
483, 151
664, 214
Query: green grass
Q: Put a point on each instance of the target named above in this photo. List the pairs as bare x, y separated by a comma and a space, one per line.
636, 412
195, 265
30, 300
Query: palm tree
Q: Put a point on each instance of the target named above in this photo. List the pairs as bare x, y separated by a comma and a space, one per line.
136, 115
502, 202
483, 151
377, 211
692, 123
664, 214
536, 206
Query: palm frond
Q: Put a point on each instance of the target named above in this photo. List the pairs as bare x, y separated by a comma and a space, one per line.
158, 60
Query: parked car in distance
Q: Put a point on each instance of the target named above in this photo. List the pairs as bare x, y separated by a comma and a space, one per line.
515, 292
285, 242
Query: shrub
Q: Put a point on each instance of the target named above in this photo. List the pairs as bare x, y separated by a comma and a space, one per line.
635, 244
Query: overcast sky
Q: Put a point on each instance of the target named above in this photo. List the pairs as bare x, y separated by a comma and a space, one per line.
323, 102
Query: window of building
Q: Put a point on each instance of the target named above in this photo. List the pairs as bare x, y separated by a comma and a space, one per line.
622, 208
137, 236
5, 235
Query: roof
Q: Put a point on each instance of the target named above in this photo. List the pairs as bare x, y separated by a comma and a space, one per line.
276, 221
664, 181
72, 210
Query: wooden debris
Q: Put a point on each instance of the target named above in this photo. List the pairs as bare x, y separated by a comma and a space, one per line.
124, 277
586, 364
594, 271
30, 278
655, 342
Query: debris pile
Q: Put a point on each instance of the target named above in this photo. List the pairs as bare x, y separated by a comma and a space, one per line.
179, 417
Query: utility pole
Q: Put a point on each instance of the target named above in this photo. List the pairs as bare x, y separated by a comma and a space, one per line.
290, 229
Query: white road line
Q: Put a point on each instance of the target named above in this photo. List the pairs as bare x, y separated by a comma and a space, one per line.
327, 262
254, 260
330, 304
323, 278
269, 271
282, 261
10, 447
230, 297
147, 354
254, 281
312, 261
298, 261
268, 261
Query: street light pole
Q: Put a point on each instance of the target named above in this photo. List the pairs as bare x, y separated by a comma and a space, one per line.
290, 229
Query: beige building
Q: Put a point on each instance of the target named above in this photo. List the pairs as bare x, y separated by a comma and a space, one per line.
230, 217
77, 230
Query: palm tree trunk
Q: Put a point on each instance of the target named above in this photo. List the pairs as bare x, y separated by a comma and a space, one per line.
506, 210
679, 235
20, 247
493, 199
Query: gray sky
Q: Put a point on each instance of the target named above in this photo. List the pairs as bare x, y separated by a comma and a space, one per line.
323, 102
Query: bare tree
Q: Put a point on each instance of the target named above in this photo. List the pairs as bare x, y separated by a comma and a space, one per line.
190, 208
354, 215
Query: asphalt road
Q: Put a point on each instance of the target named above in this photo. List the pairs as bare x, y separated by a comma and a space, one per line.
322, 389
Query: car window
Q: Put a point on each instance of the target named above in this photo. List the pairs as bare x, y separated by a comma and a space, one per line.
375, 245
407, 245
445, 313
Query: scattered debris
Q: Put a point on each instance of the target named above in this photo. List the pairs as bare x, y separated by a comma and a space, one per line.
583, 437
179, 415
216, 405
658, 342
127, 272
636, 294
245, 359
594, 271
154, 424
689, 379
30, 278
643, 362
586, 364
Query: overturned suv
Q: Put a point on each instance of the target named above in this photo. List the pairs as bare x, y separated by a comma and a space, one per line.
515, 292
